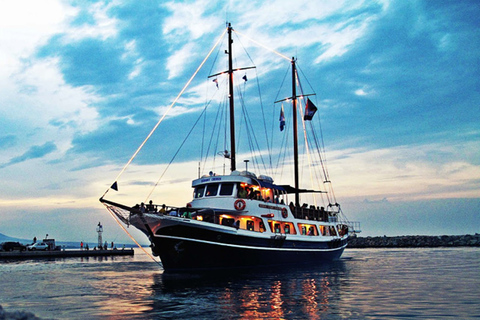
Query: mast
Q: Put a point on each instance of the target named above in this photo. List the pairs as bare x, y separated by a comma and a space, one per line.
295, 136
230, 94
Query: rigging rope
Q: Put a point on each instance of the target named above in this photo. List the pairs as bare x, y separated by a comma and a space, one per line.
128, 233
169, 108
151, 133
261, 107
262, 45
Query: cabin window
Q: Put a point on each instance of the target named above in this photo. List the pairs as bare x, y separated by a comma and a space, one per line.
199, 191
322, 230
262, 226
226, 189
228, 222
312, 231
277, 228
332, 231
326, 231
289, 228
212, 190
308, 229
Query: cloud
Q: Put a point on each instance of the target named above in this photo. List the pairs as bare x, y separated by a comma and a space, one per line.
406, 172
384, 200
178, 60
32, 153
24, 28
7, 141
92, 21
175, 28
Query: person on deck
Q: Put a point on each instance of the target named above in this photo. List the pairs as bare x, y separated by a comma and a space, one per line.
150, 206
242, 193
163, 209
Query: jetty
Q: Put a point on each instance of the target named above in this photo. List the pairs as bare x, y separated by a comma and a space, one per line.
4, 255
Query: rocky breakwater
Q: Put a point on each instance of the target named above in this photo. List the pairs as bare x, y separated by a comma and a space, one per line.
415, 241
17, 315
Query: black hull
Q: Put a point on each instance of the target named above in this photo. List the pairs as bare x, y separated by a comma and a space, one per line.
204, 249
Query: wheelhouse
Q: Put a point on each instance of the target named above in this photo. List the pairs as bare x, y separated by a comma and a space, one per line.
243, 185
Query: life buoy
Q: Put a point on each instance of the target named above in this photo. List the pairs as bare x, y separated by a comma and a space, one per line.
284, 213
240, 204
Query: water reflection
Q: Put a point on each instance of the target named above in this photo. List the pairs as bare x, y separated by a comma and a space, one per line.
253, 293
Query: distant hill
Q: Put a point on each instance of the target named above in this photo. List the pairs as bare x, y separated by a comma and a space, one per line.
4, 238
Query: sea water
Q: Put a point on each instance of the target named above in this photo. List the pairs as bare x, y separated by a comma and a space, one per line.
365, 284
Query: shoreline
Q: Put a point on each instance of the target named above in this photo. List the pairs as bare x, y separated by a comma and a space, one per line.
415, 241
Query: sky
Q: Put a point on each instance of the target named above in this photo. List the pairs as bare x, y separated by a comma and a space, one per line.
83, 82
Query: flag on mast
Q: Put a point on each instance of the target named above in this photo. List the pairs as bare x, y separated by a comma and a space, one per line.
310, 110
282, 119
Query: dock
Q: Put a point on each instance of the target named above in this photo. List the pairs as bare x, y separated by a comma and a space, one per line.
64, 254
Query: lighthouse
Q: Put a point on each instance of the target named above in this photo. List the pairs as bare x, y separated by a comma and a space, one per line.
100, 231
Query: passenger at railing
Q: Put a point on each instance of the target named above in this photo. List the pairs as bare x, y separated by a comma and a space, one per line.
150, 206
142, 207
251, 193
187, 214
277, 199
163, 209
268, 200
322, 214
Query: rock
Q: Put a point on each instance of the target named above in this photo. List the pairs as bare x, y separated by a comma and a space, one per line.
414, 241
16, 315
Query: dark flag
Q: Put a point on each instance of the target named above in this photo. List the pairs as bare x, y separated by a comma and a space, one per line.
245, 78
114, 186
310, 110
282, 119
216, 81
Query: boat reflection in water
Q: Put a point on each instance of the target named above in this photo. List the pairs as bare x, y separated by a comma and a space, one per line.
251, 294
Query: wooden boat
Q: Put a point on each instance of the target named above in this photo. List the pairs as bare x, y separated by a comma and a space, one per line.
240, 219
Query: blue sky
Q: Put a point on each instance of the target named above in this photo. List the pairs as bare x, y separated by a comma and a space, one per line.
397, 83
